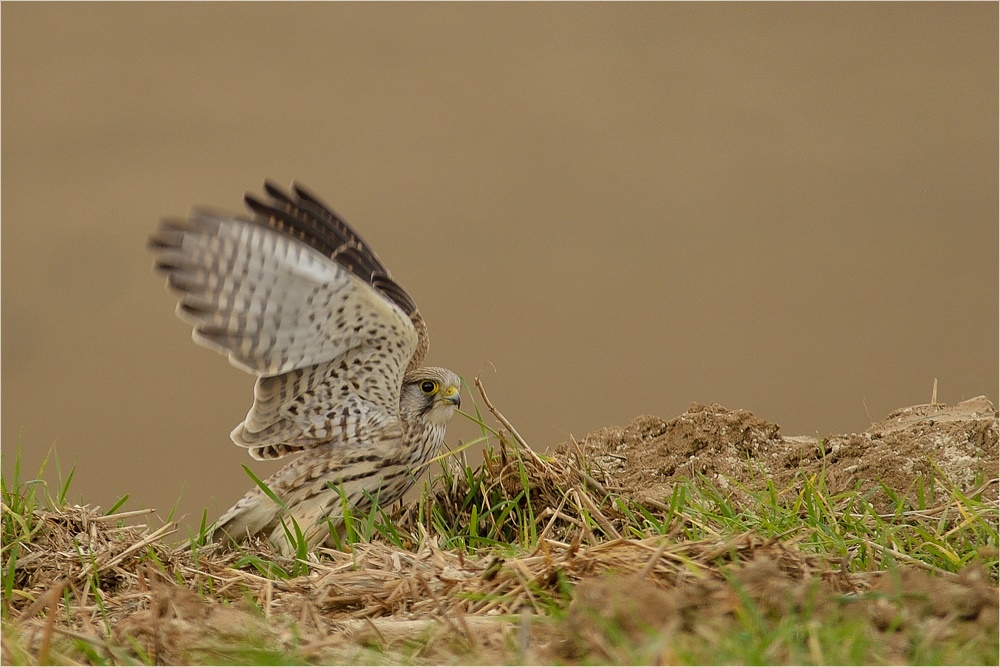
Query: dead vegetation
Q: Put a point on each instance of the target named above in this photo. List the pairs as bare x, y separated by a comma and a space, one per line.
613, 550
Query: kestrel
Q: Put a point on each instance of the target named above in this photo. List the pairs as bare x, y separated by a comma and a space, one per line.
296, 297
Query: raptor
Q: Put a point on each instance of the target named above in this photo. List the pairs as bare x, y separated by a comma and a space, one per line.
293, 295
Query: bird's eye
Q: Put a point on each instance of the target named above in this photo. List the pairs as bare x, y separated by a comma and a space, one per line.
428, 387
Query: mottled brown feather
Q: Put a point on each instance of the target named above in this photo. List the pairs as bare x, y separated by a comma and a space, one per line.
304, 216
296, 297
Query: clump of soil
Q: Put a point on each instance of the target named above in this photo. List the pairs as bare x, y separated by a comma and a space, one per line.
939, 445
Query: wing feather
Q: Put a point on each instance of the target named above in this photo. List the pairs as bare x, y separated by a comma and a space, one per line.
267, 300
302, 215
329, 349
296, 297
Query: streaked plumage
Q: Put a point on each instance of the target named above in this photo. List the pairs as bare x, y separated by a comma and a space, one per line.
296, 297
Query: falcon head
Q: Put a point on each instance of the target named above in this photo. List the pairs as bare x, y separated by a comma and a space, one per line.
431, 394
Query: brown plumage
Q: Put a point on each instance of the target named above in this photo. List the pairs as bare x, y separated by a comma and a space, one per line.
295, 296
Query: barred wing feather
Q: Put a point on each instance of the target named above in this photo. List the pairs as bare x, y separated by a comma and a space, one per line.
282, 310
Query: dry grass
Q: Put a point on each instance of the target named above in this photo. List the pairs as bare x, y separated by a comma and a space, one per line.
525, 559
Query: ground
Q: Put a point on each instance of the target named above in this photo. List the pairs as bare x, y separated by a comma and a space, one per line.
709, 537
735, 448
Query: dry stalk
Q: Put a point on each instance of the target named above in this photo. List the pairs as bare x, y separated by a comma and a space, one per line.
651, 565
581, 473
122, 515
165, 530
506, 423
911, 560
596, 512
548, 526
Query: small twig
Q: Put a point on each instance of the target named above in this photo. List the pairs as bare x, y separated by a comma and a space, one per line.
167, 529
982, 487
548, 526
494, 597
651, 565
587, 479
910, 559
583, 524
121, 515
516, 567
556, 543
656, 504
930, 512
598, 515
581, 464
503, 420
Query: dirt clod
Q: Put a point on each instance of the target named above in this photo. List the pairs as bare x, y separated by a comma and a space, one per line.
922, 450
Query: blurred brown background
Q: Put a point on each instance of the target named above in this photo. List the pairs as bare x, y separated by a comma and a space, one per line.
622, 208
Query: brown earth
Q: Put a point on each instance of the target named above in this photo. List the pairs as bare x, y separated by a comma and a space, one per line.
951, 446
84, 579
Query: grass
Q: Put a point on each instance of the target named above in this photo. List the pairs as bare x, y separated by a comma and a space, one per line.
524, 559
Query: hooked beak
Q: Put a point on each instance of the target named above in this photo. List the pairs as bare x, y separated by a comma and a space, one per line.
453, 396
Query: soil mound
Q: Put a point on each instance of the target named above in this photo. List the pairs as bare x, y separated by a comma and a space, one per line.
921, 450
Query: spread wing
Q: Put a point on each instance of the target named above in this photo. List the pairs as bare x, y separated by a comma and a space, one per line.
302, 215
296, 297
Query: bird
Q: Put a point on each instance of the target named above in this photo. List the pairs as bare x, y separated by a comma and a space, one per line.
295, 296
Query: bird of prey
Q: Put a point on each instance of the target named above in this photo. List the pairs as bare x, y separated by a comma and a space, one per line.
296, 297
